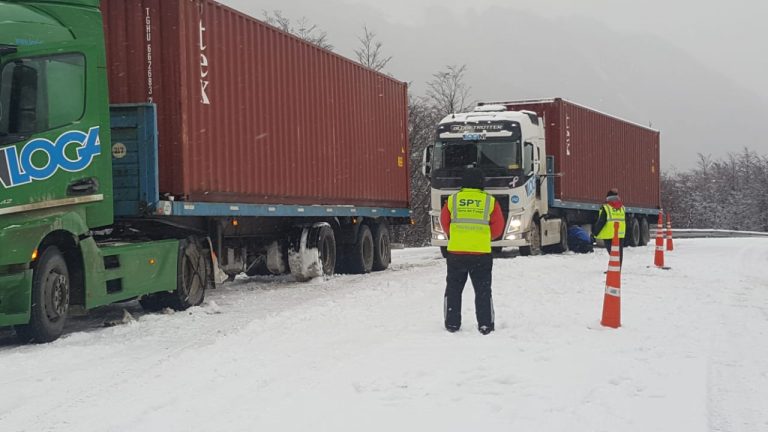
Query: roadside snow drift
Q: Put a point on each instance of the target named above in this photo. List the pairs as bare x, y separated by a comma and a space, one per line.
369, 353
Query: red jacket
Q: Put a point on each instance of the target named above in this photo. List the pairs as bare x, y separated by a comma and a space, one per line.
496, 222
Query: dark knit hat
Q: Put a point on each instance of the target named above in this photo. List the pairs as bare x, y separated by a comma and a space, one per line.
612, 195
473, 178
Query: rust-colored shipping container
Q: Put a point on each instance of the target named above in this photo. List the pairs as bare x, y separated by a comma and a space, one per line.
250, 114
595, 152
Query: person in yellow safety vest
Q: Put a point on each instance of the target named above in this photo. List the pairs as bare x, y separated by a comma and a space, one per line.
612, 211
470, 218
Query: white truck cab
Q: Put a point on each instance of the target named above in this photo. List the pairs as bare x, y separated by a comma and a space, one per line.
509, 147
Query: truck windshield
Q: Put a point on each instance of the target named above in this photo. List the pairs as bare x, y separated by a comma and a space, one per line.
495, 158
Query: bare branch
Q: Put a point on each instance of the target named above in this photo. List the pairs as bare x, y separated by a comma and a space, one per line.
304, 30
447, 90
370, 54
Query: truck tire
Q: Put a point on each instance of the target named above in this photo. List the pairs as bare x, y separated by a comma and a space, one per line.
193, 276
360, 256
632, 237
535, 238
382, 250
50, 298
322, 238
645, 233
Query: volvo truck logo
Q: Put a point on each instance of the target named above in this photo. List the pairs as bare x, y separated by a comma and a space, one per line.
18, 168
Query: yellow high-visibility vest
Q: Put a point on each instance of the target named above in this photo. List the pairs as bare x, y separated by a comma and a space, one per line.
612, 215
470, 221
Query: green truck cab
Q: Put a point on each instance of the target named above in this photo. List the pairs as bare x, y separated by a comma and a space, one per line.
56, 180
84, 218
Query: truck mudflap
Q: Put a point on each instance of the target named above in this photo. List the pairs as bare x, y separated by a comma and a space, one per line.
15, 297
219, 276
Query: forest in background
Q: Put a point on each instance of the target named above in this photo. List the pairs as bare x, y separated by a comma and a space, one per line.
729, 193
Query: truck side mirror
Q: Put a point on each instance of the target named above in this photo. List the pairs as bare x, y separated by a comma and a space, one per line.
426, 161
528, 162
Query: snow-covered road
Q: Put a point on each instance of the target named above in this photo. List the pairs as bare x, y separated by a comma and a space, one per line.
369, 353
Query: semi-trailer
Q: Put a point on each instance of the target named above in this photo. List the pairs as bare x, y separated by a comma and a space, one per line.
152, 149
549, 163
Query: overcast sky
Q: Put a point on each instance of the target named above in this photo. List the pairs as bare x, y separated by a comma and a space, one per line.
679, 66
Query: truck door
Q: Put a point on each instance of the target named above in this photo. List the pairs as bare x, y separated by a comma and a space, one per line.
50, 141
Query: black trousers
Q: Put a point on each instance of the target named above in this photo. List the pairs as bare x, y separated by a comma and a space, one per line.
608, 246
479, 268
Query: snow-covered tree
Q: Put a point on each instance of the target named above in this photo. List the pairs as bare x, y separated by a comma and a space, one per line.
731, 193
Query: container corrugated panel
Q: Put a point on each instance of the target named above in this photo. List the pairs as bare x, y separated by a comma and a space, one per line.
250, 114
596, 152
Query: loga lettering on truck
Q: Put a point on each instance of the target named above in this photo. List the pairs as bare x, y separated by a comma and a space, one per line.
17, 167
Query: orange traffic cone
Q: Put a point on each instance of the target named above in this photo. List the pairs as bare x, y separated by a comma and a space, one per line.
670, 246
658, 259
612, 298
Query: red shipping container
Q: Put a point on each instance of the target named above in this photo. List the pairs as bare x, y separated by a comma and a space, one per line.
596, 152
250, 114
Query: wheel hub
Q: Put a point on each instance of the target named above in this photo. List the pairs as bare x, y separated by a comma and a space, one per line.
56, 296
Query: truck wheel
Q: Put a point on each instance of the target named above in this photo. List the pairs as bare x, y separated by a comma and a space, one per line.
632, 237
193, 276
645, 233
323, 239
382, 251
535, 239
50, 298
360, 258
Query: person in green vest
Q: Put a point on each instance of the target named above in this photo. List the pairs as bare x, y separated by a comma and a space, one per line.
612, 211
471, 218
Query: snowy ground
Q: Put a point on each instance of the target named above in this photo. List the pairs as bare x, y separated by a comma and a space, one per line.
368, 353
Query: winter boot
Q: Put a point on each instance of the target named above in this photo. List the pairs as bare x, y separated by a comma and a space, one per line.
484, 329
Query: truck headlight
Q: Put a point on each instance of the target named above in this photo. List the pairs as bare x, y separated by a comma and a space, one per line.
436, 225
515, 223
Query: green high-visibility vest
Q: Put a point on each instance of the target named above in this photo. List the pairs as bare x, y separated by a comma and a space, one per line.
470, 221
612, 215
